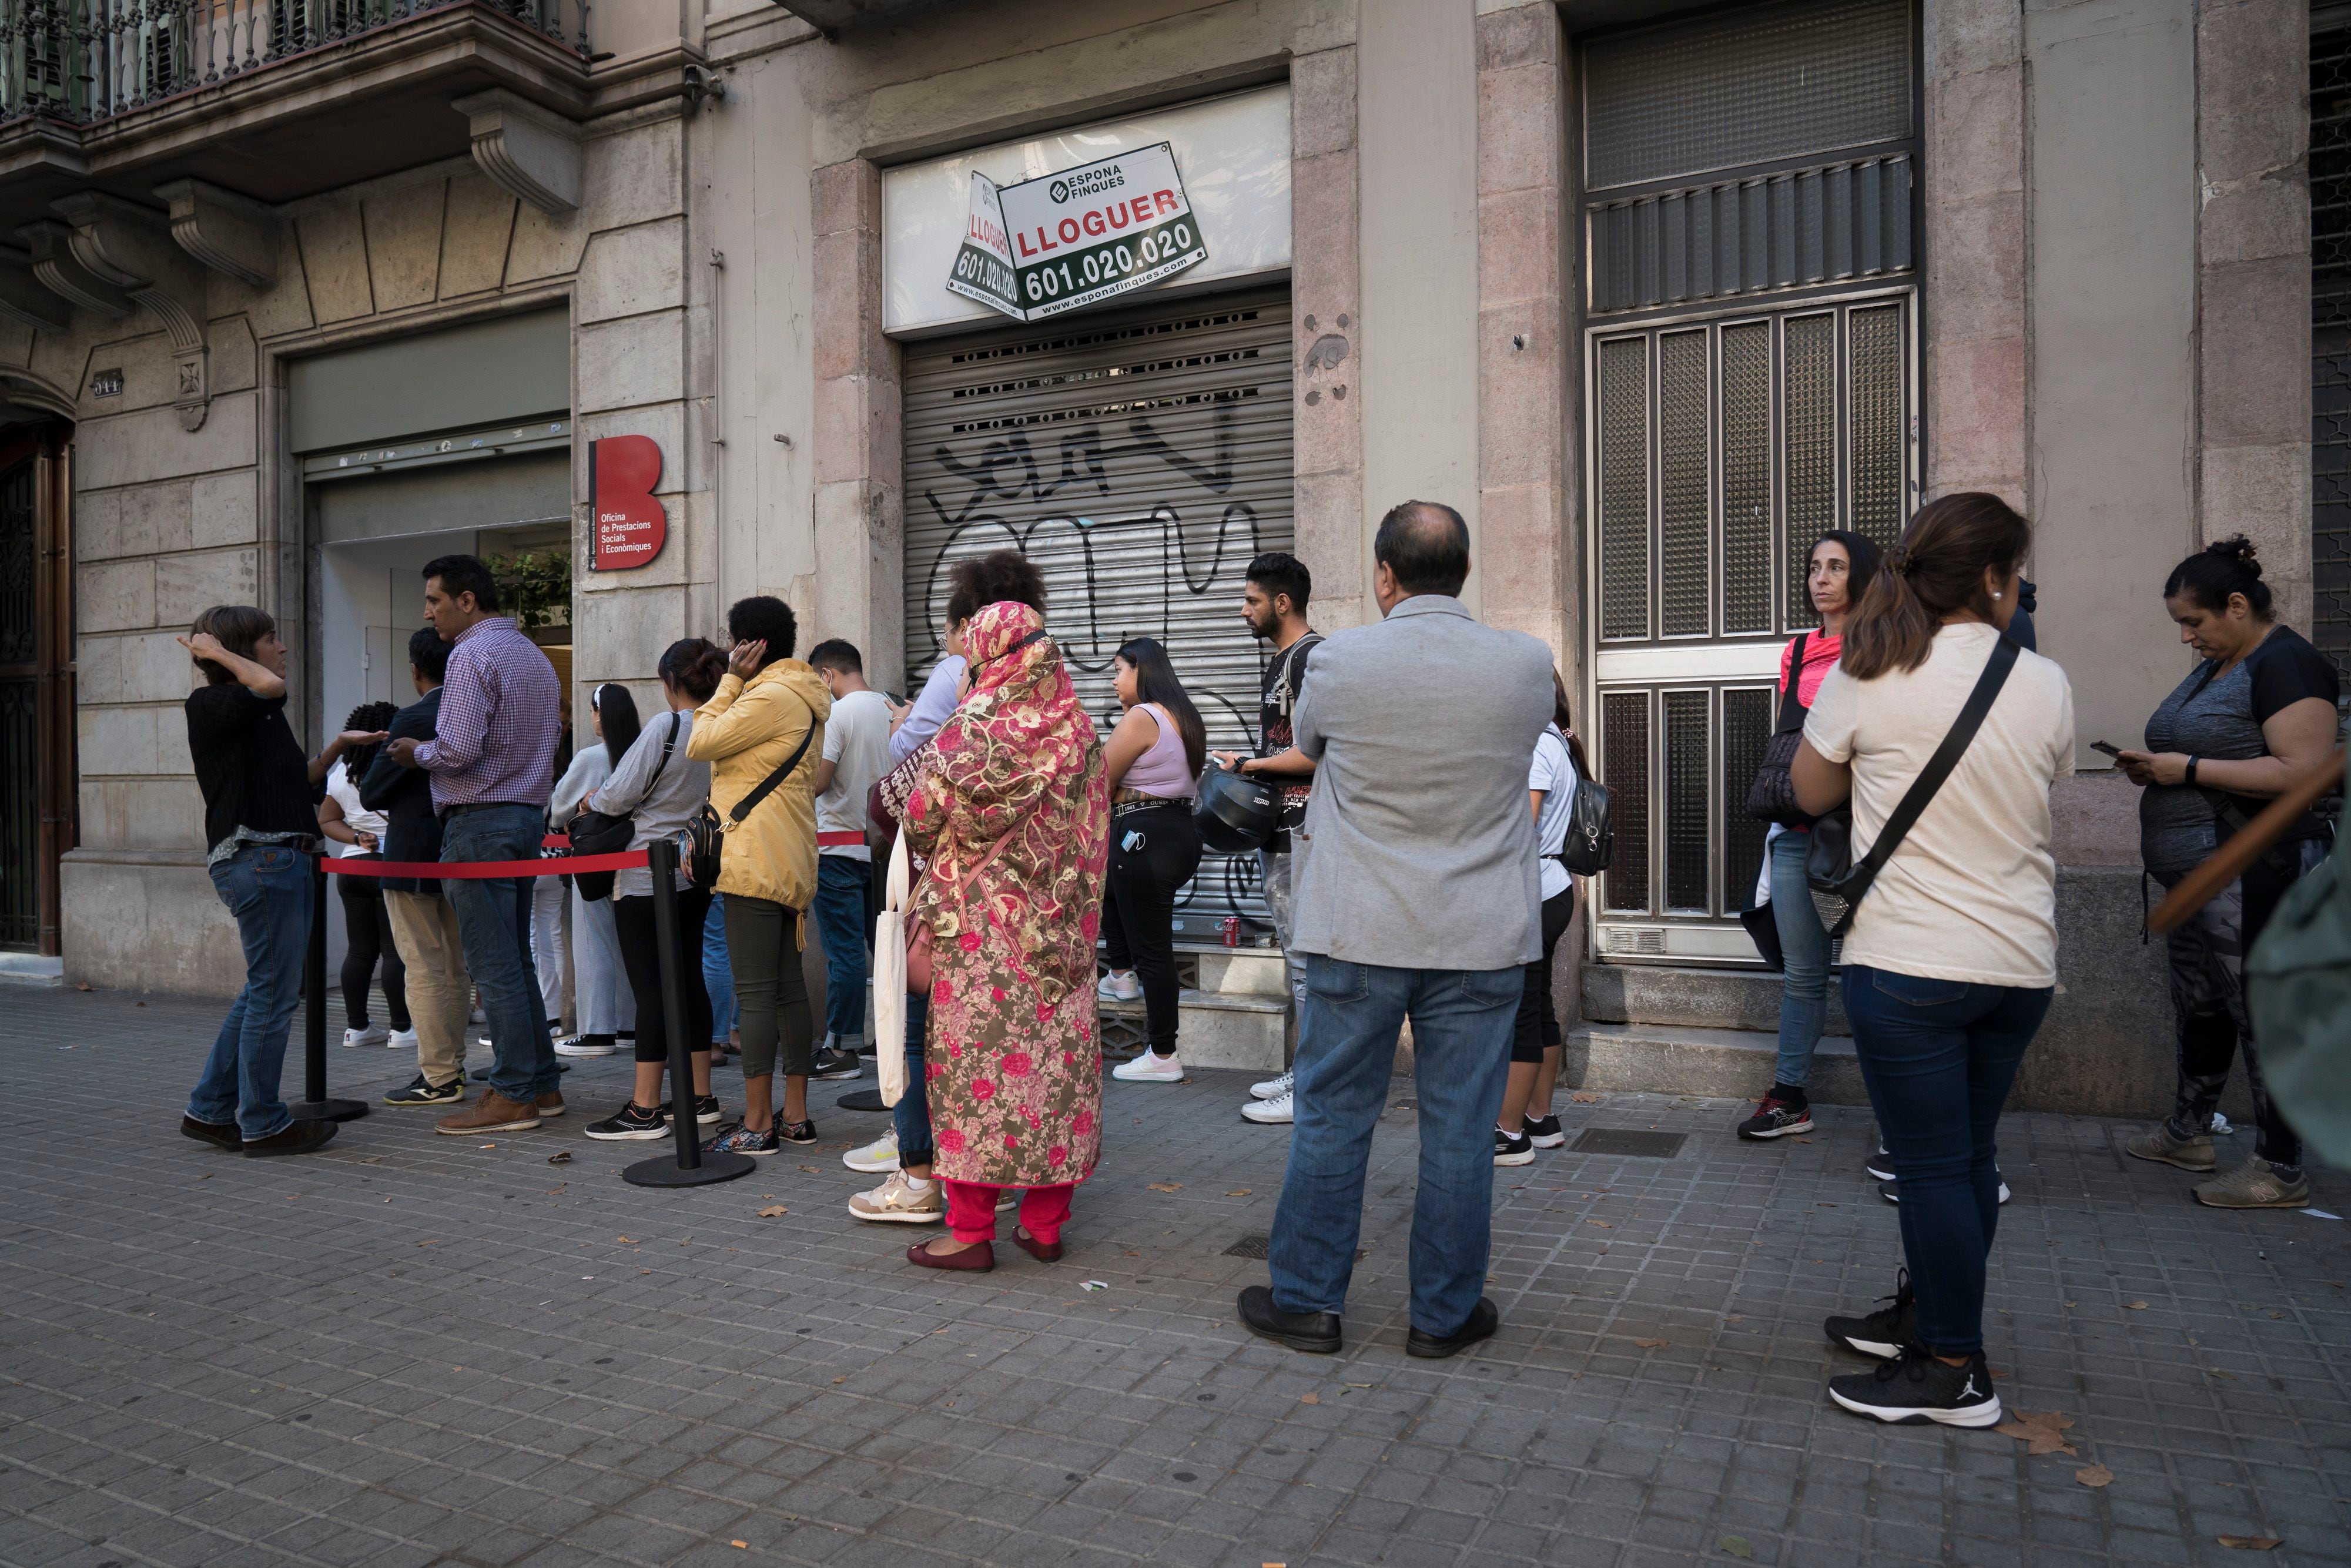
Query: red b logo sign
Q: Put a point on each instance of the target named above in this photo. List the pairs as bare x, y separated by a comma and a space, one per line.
629, 525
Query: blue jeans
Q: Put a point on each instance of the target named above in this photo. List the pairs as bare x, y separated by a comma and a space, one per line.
494, 922
1938, 1057
717, 978
912, 1114
1461, 1025
1804, 945
267, 888
846, 927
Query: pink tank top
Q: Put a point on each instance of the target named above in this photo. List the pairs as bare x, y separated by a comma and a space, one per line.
1163, 770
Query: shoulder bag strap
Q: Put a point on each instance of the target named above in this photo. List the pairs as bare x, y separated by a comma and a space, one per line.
748, 803
646, 794
1789, 707
1939, 767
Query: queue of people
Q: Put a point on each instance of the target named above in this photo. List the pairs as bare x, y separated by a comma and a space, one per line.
1409, 871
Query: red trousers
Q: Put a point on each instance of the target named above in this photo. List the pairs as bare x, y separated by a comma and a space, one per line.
971, 1210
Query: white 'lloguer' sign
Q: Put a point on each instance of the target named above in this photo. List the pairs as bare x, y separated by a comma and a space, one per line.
1073, 238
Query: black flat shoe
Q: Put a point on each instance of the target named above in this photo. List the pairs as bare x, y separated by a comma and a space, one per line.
1316, 1333
220, 1134
294, 1138
1484, 1319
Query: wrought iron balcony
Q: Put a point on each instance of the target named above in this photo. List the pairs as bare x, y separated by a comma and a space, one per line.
84, 62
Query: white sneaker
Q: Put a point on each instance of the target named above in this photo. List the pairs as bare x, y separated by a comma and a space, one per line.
402, 1039
1150, 1068
892, 1203
1112, 989
880, 1155
374, 1034
1278, 1109
1273, 1088
585, 1045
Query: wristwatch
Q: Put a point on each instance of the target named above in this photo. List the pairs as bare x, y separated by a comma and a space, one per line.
2192, 770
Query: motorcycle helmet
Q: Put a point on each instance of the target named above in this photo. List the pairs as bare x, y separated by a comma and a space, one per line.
1235, 813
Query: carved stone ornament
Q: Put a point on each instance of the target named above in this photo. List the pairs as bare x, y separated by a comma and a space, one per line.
130, 248
529, 151
228, 233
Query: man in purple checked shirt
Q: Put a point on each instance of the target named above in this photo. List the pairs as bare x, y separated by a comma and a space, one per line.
491, 761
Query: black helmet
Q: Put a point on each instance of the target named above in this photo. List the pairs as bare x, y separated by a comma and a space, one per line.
1235, 813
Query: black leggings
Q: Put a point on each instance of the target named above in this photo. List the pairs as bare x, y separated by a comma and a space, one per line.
641, 957
369, 931
1538, 1022
1139, 907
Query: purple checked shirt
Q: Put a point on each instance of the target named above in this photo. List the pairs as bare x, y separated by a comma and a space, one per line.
500, 707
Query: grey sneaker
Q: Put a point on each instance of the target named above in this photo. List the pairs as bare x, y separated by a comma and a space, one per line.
2167, 1147
2253, 1184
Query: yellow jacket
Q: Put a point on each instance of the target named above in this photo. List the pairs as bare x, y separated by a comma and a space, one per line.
745, 732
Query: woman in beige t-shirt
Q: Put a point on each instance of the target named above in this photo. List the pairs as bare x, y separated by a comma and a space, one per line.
1952, 954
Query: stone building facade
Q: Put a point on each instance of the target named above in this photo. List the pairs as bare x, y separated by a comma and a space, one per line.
1450, 252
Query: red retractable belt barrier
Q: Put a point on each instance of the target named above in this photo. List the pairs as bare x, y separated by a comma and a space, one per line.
462, 871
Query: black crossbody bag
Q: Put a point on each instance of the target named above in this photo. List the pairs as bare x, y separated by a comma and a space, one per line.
705, 838
602, 833
1839, 883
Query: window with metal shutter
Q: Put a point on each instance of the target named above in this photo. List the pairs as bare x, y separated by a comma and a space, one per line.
1140, 459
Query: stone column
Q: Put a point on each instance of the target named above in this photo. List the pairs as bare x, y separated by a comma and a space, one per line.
860, 520
1324, 224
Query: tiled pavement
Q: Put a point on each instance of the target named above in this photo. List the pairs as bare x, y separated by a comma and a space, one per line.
411, 1350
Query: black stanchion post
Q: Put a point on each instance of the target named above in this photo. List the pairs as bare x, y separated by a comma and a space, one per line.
690, 1166
315, 1106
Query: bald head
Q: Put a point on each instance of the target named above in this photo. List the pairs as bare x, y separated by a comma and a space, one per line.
1425, 547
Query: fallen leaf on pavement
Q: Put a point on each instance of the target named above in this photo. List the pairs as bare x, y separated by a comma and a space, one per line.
1737, 1545
1239, 1192
1653, 1344
810, 1169
562, 1159
2133, 1306
1309, 1399
2044, 1433
2093, 1475
1167, 1187
2254, 1542
1601, 1223
742, 1545
84, 986
626, 1240
843, 1378
772, 1210
1583, 1099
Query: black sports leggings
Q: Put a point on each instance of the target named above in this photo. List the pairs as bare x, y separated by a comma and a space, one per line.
1537, 1026
370, 931
641, 954
1139, 907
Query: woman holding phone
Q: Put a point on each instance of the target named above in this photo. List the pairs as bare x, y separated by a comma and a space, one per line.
1153, 758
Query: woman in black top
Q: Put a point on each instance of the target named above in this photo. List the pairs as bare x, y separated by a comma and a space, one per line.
260, 828
2255, 715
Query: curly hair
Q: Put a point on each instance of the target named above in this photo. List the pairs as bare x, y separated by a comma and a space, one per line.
993, 578
367, 716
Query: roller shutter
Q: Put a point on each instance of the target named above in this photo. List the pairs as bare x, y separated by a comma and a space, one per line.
1140, 459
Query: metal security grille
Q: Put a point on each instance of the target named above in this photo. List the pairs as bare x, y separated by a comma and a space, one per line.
20, 795
1140, 460
1754, 85
2330, 377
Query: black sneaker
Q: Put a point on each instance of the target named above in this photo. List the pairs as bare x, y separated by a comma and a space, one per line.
294, 1138
1777, 1119
1544, 1134
831, 1063
1884, 1332
705, 1110
1880, 1165
1513, 1150
1892, 1191
416, 1092
632, 1121
1915, 1387
797, 1132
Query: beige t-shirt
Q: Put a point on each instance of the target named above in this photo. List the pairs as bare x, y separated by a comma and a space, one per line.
1971, 893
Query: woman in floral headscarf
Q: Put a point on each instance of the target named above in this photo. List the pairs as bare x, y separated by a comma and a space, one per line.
1014, 824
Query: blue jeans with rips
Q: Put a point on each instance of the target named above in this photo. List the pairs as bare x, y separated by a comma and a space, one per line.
1461, 1025
844, 921
493, 923
912, 1114
1938, 1057
267, 888
1804, 946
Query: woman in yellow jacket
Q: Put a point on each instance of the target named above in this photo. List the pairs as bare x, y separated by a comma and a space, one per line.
765, 705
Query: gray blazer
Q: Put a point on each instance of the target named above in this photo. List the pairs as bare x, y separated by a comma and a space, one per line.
1418, 850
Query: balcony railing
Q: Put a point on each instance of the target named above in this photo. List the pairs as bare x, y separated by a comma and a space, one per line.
83, 61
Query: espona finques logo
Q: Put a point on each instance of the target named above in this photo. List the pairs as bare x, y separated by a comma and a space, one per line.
1086, 182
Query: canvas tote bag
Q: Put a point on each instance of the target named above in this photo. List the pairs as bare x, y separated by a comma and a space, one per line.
890, 977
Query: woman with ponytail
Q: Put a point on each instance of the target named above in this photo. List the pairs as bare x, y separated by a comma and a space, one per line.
357, 832
1951, 955
601, 1005
2257, 713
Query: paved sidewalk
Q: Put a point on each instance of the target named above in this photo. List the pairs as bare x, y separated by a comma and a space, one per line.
410, 1350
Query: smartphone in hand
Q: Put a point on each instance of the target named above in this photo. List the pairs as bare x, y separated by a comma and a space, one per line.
2109, 748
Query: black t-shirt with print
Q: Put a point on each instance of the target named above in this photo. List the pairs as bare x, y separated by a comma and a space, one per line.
1278, 692
2222, 717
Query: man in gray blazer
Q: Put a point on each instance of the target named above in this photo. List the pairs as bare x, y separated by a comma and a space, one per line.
1417, 895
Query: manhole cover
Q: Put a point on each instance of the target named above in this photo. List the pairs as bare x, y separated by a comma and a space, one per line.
1628, 1141
1250, 1246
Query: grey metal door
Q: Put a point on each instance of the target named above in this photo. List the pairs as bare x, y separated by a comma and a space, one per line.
1140, 459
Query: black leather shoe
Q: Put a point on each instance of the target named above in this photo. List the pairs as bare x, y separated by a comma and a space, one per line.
294, 1138
1483, 1320
1317, 1334
220, 1134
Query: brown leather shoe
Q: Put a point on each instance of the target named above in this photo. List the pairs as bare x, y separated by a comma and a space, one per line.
551, 1103
493, 1112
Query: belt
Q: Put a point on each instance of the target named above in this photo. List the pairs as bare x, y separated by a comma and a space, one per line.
1147, 803
463, 807
840, 840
